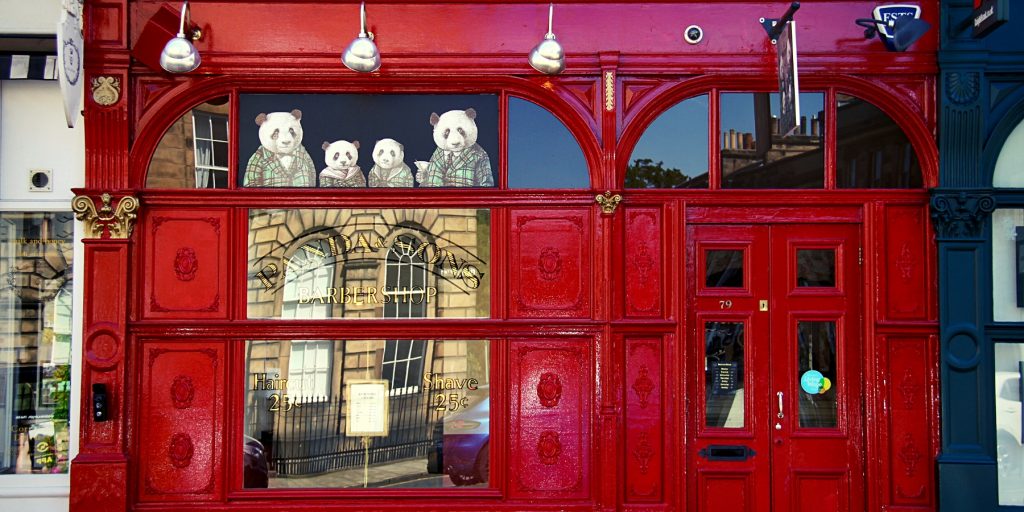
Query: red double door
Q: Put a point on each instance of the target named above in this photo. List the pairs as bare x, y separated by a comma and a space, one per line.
774, 330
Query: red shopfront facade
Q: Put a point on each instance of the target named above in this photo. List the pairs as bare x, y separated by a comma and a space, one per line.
753, 331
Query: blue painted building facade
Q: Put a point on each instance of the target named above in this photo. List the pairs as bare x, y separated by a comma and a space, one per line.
975, 210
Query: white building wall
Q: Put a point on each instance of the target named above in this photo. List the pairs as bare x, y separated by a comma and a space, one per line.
34, 135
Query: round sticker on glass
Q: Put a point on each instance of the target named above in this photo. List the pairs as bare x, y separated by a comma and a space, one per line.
826, 384
811, 381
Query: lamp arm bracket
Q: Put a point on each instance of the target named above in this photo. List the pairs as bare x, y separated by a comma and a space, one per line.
773, 26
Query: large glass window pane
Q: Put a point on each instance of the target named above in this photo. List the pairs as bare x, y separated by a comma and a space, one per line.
375, 140
872, 151
723, 374
193, 151
1009, 447
816, 360
673, 151
420, 418
1007, 281
35, 346
369, 263
542, 153
754, 153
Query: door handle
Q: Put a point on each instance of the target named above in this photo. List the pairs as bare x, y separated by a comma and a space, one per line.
781, 415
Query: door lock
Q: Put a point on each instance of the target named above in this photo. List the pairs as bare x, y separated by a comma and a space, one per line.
763, 305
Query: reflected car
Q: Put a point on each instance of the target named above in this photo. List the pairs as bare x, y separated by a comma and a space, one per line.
1009, 450
460, 446
254, 464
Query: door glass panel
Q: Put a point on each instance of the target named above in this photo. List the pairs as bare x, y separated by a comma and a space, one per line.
816, 267
754, 153
367, 413
723, 374
816, 360
723, 268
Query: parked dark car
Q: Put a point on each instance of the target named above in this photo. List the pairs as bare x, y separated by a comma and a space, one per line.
254, 460
460, 446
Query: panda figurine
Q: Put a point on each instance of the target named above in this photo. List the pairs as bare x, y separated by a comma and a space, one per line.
341, 171
389, 168
458, 160
281, 160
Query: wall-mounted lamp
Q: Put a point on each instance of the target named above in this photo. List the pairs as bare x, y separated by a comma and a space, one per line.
548, 56
898, 28
362, 54
179, 55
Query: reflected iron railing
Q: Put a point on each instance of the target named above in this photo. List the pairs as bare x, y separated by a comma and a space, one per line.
310, 439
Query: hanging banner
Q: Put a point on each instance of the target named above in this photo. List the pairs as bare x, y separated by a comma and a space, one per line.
69, 57
789, 83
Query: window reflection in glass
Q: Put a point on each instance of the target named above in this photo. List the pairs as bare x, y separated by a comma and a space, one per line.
1009, 358
872, 151
542, 153
673, 151
35, 348
723, 374
755, 155
371, 263
816, 360
193, 152
816, 267
438, 414
723, 268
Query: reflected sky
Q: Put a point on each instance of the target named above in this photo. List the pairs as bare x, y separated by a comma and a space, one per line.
678, 137
541, 151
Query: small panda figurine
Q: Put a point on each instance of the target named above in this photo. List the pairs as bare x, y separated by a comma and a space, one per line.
458, 160
341, 171
281, 160
389, 168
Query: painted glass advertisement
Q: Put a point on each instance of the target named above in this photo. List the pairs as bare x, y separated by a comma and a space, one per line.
369, 263
364, 140
409, 413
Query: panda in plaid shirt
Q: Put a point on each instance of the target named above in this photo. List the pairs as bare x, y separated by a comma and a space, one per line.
458, 160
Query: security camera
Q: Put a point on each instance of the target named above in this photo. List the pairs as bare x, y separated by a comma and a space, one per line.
693, 34
39, 180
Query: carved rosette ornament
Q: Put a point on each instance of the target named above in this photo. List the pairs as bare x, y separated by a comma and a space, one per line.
181, 450
961, 215
114, 223
549, 264
643, 453
549, 389
185, 264
182, 392
549, 447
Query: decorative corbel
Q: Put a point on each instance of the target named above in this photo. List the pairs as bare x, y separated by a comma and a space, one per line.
608, 202
107, 222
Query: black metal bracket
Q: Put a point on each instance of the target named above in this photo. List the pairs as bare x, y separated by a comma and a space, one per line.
774, 26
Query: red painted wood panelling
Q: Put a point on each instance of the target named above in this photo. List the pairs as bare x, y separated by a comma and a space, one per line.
181, 420
550, 419
186, 264
550, 263
99, 486
910, 450
107, 23
725, 491
644, 425
905, 265
643, 272
106, 262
